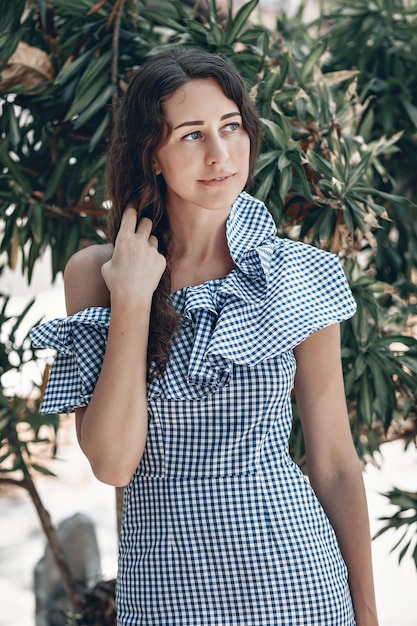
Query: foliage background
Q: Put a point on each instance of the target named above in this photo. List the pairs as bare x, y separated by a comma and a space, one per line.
337, 170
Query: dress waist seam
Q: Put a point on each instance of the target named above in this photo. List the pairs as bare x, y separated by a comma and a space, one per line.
259, 470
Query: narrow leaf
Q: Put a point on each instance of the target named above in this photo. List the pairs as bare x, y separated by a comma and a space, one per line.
240, 20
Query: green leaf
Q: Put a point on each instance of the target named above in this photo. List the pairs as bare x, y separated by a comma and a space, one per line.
334, 78
42, 470
285, 181
289, 94
13, 131
34, 253
235, 28
275, 133
73, 240
319, 164
403, 551
411, 111
100, 67
197, 30
302, 178
266, 184
88, 97
365, 402
217, 34
57, 174
14, 168
10, 16
283, 161
35, 221
409, 362
266, 159
272, 83
98, 104
312, 60
382, 384
212, 7
67, 73
99, 132
254, 35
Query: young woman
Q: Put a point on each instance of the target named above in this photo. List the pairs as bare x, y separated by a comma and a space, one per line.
183, 392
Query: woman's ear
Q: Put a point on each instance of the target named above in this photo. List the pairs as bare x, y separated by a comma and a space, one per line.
156, 167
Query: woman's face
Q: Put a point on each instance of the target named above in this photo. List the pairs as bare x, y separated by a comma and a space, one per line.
205, 159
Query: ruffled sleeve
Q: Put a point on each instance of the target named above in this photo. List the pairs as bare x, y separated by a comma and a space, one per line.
80, 342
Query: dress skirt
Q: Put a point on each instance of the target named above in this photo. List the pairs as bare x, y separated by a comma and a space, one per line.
220, 526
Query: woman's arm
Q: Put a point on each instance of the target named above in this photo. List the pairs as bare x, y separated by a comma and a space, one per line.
333, 466
112, 429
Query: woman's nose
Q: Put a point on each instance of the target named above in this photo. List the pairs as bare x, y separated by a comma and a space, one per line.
217, 151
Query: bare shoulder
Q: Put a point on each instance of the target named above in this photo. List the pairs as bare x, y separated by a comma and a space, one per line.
84, 284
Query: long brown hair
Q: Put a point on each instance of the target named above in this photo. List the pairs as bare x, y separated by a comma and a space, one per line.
140, 128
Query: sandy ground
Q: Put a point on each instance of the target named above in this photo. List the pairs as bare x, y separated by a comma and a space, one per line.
75, 490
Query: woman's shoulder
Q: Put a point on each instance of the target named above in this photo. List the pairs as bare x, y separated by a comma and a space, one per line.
84, 283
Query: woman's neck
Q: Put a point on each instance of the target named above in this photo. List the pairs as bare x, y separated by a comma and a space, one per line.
197, 248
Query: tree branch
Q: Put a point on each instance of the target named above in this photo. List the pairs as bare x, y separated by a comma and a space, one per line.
45, 519
13, 482
118, 10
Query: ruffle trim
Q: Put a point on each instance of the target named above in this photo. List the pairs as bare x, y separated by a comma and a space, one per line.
80, 341
280, 292
237, 322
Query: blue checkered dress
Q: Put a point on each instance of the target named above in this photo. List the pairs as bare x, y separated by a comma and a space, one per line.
220, 528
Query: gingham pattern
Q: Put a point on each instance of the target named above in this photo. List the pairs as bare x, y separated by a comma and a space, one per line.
280, 293
219, 525
220, 528
80, 341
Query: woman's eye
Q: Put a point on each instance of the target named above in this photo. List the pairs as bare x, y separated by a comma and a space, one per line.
192, 136
233, 126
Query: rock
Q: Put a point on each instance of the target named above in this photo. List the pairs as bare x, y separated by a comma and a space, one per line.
78, 539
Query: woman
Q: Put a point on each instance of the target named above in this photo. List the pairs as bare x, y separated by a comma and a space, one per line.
183, 394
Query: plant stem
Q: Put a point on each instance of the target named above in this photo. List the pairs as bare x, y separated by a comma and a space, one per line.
46, 522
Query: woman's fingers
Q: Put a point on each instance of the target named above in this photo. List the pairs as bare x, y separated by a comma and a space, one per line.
136, 266
129, 219
153, 241
144, 227
130, 224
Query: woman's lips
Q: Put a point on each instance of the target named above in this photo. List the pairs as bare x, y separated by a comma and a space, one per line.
217, 180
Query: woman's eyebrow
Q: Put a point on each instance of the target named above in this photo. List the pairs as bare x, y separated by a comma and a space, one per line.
201, 122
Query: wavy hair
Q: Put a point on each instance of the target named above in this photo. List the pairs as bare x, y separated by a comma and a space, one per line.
139, 130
